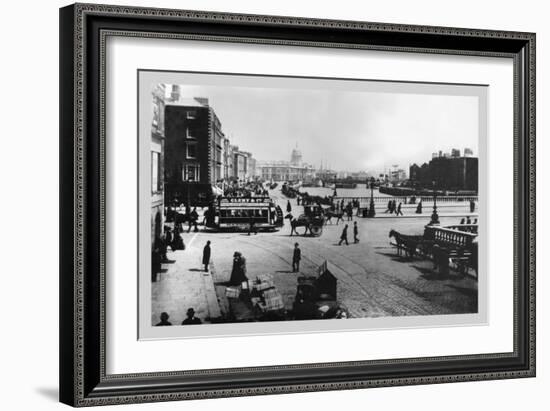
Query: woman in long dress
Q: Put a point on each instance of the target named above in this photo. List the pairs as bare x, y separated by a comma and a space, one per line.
238, 273
177, 242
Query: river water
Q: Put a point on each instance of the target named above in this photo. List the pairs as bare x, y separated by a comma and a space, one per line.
360, 191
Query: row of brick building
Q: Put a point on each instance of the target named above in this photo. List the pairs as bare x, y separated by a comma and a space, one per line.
447, 172
199, 157
191, 157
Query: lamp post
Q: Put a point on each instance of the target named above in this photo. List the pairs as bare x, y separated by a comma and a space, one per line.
372, 211
435, 216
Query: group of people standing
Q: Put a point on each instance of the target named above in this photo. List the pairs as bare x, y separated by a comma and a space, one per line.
345, 209
468, 220
160, 248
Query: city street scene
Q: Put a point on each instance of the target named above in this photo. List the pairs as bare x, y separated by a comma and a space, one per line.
274, 204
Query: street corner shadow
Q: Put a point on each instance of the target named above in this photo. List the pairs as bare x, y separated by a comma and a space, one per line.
163, 270
284, 271
469, 292
50, 393
168, 261
395, 257
429, 274
197, 270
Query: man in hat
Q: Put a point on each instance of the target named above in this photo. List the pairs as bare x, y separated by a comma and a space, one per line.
344, 236
206, 255
191, 319
193, 218
296, 257
164, 319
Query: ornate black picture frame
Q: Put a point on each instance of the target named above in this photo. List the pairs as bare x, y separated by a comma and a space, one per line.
83, 30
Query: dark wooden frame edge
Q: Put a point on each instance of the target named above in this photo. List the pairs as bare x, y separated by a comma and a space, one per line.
83, 381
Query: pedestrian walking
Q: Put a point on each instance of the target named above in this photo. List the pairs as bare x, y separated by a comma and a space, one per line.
355, 233
296, 257
156, 264
252, 226
206, 255
419, 208
193, 217
349, 212
344, 235
472, 206
162, 247
168, 237
399, 209
288, 206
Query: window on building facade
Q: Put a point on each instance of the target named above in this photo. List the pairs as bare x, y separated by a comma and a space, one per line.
155, 172
191, 150
156, 114
190, 133
191, 114
191, 172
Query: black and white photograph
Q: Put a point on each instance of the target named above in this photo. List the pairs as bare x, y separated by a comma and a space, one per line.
288, 200
259, 203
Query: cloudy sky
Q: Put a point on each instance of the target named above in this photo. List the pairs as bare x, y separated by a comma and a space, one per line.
349, 131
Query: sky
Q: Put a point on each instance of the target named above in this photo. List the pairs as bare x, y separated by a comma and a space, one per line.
348, 131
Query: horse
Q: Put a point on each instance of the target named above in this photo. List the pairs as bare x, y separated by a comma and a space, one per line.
409, 243
329, 214
298, 222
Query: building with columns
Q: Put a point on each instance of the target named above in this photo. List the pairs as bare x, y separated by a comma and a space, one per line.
292, 170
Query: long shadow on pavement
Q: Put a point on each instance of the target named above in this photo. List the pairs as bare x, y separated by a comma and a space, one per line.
396, 257
429, 274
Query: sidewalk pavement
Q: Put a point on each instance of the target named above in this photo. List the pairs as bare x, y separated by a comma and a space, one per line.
184, 284
426, 215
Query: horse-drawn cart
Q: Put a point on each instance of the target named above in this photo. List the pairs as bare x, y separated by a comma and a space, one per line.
454, 246
311, 221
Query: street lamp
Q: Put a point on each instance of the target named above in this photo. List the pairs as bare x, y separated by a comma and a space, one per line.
372, 212
435, 216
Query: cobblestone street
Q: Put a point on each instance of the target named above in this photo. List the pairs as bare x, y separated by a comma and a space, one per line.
372, 280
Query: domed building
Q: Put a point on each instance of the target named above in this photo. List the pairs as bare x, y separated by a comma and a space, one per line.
296, 157
293, 170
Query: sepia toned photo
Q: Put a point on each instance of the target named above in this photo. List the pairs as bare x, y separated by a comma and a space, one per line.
286, 204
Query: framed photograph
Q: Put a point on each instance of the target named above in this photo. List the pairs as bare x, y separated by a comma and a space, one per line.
262, 204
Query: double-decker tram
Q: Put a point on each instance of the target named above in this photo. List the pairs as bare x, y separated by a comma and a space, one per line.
236, 213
